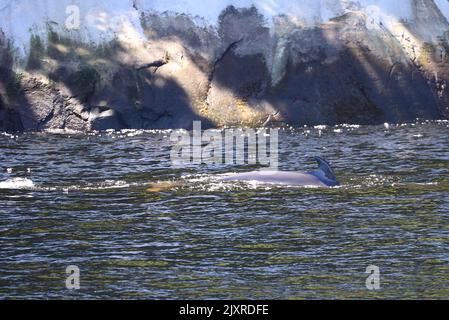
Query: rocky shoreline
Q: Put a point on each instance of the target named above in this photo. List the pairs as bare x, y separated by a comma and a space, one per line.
350, 69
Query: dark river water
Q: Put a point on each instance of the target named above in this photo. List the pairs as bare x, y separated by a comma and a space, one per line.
82, 199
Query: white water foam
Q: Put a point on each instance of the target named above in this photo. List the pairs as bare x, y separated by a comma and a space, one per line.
24, 183
104, 185
17, 183
63, 132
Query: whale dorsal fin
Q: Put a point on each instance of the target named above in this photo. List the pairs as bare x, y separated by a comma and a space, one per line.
325, 167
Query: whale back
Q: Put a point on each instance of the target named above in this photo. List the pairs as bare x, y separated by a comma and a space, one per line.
326, 168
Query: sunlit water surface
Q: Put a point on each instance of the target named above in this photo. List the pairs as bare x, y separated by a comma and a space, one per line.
77, 199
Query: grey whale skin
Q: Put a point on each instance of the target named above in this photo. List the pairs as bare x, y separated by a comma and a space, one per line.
323, 177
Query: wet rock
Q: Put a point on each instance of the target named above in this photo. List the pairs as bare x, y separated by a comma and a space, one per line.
246, 79
355, 75
178, 68
41, 106
246, 26
106, 118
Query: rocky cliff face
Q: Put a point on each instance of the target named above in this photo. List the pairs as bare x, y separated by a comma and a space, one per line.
163, 64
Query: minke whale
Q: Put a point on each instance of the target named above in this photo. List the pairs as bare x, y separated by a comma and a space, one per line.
323, 177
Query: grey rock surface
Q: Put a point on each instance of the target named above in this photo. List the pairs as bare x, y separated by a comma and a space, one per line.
236, 74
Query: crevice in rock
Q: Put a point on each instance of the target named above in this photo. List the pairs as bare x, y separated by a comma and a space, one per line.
232, 46
46, 120
393, 69
162, 115
78, 115
155, 64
